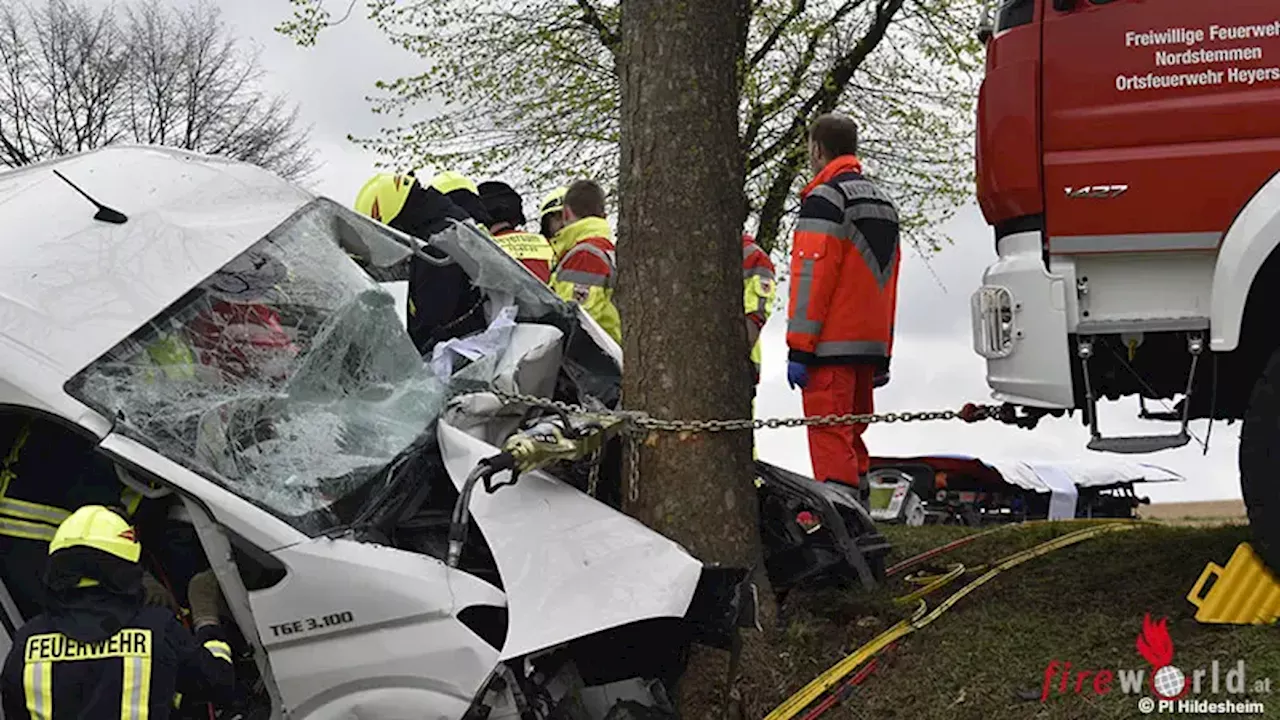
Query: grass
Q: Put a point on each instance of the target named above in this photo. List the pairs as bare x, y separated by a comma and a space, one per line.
1082, 604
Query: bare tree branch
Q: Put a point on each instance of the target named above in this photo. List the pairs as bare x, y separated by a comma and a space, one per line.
608, 37
72, 79
766, 47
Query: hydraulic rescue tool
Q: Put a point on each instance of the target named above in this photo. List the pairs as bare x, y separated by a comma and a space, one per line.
542, 442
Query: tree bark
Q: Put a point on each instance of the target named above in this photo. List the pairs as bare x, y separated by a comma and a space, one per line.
680, 296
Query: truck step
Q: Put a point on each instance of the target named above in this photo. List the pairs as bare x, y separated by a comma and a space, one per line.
1138, 444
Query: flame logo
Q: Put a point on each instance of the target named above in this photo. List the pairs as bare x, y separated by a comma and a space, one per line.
1167, 682
1154, 642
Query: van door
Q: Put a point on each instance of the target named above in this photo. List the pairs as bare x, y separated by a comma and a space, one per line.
1159, 120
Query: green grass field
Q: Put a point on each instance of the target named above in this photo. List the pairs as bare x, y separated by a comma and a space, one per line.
985, 659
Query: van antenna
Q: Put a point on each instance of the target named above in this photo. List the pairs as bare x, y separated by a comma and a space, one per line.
105, 214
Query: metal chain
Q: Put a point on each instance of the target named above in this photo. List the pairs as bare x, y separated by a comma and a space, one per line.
637, 425
593, 476
637, 421
633, 476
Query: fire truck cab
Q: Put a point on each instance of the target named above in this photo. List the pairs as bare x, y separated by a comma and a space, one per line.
1127, 158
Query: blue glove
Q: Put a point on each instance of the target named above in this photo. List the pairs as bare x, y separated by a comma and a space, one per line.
882, 379
797, 375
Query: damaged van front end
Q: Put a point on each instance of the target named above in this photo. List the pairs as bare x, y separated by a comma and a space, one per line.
276, 397
227, 340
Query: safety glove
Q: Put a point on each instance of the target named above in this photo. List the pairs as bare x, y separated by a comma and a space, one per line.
797, 375
205, 598
157, 594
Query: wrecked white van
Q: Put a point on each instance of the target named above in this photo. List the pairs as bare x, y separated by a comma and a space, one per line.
203, 325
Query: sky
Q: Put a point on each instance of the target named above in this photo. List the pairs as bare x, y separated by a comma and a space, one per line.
934, 366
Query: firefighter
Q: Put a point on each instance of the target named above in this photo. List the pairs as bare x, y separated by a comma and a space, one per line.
97, 651
585, 271
442, 303
551, 217
844, 284
506, 208
47, 470
461, 191
758, 290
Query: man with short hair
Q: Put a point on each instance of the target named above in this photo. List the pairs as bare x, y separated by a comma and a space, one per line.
844, 285
506, 209
585, 272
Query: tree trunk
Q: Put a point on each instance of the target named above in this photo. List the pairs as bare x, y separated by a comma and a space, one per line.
680, 294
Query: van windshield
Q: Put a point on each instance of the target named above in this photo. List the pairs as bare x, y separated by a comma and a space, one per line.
287, 377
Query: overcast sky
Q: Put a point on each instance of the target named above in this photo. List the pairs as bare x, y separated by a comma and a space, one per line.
934, 365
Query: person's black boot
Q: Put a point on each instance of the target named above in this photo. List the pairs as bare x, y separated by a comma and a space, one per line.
864, 492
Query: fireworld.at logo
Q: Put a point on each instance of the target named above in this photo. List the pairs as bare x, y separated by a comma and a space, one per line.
1165, 681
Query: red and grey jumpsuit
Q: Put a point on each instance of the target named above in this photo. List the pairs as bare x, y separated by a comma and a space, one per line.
844, 286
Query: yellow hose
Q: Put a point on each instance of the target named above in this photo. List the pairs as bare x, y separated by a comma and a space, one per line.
919, 619
930, 583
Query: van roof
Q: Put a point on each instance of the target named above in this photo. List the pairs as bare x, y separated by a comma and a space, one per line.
71, 287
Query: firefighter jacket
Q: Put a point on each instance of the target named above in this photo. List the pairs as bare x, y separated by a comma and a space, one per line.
758, 290
844, 270
45, 474
531, 249
443, 302
135, 672
585, 274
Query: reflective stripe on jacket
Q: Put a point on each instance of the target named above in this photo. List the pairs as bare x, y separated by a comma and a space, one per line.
844, 270
53, 473
585, 275
758, 290
133, 674
531, 249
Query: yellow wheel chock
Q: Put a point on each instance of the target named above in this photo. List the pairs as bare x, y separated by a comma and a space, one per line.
1245, 592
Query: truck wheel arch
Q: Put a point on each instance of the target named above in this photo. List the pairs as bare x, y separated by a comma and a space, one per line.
1248, 245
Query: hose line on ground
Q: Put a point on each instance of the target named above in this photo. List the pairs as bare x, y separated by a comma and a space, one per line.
911, 562
922, 616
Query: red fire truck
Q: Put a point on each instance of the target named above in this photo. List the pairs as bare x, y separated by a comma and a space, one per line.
1127, 158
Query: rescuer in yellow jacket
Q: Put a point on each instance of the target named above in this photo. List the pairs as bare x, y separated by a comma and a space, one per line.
585, 271
758, 290
551, 218
506, 209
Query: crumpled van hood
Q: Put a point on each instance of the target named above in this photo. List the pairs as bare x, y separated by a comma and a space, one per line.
571, 566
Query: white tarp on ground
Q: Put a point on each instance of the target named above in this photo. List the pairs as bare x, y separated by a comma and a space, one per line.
1082, 474
1063, 478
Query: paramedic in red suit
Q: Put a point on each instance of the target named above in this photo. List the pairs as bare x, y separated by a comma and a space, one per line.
844, 285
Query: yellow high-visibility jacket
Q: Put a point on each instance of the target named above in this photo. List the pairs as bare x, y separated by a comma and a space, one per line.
758, 291
585, 271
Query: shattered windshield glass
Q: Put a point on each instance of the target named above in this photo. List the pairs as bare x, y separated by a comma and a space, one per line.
287, 377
